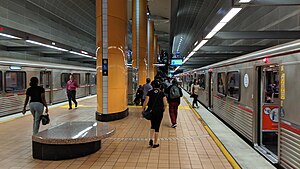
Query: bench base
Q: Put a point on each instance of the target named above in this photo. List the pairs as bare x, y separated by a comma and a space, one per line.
63, 151
111, 117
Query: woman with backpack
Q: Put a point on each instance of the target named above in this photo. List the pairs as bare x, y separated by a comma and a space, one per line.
174, 93
157, 102
194, 90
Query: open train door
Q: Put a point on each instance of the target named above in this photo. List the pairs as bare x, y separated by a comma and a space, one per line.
46, 82
268, 111
210, 88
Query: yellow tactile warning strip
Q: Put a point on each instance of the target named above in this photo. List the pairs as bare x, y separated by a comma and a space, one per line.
180, 107
232, 161
188, 146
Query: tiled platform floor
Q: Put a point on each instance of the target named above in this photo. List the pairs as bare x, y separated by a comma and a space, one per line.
187, 146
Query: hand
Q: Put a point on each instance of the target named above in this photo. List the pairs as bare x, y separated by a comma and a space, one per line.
46, 111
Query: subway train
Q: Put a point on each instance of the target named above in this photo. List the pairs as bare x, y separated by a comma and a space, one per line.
15, 76
257, 95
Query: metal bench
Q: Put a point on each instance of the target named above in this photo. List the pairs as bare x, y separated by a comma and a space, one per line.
70, 140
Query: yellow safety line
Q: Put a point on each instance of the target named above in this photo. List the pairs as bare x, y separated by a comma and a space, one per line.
228, 156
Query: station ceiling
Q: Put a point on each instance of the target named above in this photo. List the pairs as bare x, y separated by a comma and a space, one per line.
259, 25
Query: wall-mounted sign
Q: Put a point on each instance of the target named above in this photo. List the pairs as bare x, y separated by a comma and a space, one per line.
246, 80
105, 67
282, 83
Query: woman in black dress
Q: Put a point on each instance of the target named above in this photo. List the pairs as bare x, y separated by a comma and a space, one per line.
157, 101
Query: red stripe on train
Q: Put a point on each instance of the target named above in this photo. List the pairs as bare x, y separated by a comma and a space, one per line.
246, 109
290, 128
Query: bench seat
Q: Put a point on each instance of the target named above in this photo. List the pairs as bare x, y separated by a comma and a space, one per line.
70, 140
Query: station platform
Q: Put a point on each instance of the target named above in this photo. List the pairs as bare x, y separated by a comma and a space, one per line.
190, 145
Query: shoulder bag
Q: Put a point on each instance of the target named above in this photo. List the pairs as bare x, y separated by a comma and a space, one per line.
147, 114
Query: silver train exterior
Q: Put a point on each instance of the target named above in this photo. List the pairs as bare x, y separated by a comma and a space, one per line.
15, 77
258, 95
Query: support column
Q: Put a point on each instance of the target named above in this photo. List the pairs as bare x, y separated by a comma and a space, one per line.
151, 49
111, 20
155, 55
139, 38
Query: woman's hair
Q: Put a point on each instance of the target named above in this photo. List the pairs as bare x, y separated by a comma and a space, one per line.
195, 80
155, 84
34, 81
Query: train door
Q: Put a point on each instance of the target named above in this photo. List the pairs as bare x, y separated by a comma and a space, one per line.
88, 84
210, 92
268, 110
46, 82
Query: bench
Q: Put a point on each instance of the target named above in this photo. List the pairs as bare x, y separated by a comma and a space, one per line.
70, 140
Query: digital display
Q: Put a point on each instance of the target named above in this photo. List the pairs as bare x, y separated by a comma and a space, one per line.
176, 62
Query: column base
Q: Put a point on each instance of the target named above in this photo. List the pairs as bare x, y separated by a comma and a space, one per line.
111, 117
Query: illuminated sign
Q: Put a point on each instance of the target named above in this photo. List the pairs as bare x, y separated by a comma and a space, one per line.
176, 62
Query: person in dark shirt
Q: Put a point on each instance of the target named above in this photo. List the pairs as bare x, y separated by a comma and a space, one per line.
173, 103
157, 101
138, 95
37, 102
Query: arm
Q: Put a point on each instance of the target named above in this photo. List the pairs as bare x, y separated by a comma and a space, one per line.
44, 101
165, 103
145, 102
192, 89
25, 104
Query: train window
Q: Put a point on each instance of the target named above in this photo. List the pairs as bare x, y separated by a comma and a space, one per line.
1, 88
77, 78
45, 79
233, 85
64, 78
202, 81
15, 81
221, 83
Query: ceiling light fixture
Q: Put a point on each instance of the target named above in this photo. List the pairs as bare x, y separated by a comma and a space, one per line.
45, 45
203, 42
80, 54
195, 43
244, 1
9, 36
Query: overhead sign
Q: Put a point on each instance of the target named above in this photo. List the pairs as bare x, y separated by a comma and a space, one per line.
176, 61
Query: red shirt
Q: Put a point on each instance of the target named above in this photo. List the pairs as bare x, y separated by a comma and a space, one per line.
71, 85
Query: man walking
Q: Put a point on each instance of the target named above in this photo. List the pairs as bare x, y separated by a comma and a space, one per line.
174, 94
146, 88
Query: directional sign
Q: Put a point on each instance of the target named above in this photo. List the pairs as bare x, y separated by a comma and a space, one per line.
105, 67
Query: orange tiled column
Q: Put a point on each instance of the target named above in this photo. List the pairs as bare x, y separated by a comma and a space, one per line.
111, 19
139, 38
151, 50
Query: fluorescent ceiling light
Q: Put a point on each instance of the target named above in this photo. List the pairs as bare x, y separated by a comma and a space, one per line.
84, 52
76, 53
9, 36
177, 68
203, 42
195, 43
210, 35
231, 14
45, 45
244, 1
218, 27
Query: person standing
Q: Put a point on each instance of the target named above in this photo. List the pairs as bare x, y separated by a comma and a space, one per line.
157, 101
37, 103
194, 90
174, 93
138, 95
71, 91
146, 88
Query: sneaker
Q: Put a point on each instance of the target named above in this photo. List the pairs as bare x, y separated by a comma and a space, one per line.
75, 105
70, 108
155, 145
151, 142
174, 126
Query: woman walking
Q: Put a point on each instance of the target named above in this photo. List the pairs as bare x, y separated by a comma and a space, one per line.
37, 102
157, 101
194, 90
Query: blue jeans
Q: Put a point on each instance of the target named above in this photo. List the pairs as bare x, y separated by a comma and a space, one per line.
37, 110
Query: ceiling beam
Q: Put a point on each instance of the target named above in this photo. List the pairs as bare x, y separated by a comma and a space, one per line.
30, 48
231, 48
259, 35
215, 55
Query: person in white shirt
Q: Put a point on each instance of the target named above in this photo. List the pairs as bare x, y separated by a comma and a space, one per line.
194, 91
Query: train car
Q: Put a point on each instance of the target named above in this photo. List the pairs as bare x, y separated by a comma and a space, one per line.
257, 95
15, 77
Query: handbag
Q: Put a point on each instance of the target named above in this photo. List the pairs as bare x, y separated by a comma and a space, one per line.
147, 114
45, 118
